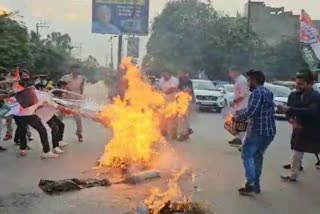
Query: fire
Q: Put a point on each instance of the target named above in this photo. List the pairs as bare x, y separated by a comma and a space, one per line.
157, 199
135, 120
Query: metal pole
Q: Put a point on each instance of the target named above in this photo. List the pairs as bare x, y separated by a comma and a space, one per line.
248, 32
119, 49
249, 16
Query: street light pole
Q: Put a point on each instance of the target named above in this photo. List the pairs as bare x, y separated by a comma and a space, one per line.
249, 16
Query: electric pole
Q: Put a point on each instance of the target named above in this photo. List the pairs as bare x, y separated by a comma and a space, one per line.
41, 24
249, 16
76, 51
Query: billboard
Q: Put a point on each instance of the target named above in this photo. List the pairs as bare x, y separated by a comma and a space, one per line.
120, 16
133, 47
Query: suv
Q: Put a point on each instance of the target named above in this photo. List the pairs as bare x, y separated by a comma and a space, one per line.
206, 95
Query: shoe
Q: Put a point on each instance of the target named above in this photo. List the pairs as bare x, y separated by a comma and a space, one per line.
190, 131
22, 153
2, 149
49, 155
288, 166
80, 138
240, 149
30, 138
247, 190
288, 179
7, 137
318, 163
183, 138
28, 148
57, 150
235, 142
63, 144
257, 189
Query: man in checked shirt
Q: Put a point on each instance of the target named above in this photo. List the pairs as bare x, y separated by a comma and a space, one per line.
261, 132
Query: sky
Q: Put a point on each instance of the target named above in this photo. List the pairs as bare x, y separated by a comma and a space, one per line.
74, 17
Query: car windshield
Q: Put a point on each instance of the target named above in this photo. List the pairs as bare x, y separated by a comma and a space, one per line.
203, 85
229, 88
279, 91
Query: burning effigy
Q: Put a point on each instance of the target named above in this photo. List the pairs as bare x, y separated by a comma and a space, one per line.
135, 120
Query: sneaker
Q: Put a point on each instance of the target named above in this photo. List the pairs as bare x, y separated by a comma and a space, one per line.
288, 166
235, 142
22, 153
190, 131
7, 137
247, 190
288, 179
80, 138
318, 163
49, 155
182, 138
30, 138
2, 149
57, 150
63, 144
257, 188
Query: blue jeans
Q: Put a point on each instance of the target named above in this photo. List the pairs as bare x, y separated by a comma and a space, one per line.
252, 156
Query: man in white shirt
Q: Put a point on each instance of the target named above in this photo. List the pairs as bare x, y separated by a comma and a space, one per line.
241, 97
75, 83
169, 86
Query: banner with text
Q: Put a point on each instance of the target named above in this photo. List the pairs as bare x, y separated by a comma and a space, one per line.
120, 16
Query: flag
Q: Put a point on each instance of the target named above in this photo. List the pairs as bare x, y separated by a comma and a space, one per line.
310, 41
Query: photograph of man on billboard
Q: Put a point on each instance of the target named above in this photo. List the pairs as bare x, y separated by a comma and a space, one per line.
120, 17
102, 22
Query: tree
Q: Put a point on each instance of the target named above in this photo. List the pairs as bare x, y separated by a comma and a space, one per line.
191, 35
14, 44
281, 61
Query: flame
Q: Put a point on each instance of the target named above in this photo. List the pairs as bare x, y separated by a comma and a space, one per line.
135, 120
157, 199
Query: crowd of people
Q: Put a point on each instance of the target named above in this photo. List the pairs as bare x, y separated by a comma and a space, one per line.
25, 99
254, 104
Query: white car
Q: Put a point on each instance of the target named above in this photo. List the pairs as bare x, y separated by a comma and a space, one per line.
281, 94
206, 95
228, 93
317, 86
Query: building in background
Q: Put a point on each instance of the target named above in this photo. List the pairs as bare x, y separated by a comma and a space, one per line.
274, 24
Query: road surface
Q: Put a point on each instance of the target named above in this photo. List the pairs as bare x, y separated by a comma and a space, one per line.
218, 166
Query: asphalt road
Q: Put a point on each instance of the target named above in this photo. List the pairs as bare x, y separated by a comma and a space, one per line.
218, 167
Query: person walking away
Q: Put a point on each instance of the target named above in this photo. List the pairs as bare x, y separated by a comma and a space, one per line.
240, 102
75, 83
169, 86
261, 132
184, 129
303, 112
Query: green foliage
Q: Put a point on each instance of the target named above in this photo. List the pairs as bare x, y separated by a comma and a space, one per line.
193, 36
51, 55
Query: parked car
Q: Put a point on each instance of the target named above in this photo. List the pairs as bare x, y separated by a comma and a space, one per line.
317, 86
219, 83
206, 96
281, 94
228, 92
289, 84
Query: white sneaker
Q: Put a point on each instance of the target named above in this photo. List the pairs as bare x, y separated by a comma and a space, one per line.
49, 155
57, 150
22, 153
63, 144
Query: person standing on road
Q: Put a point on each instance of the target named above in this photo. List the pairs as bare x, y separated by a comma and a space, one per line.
303, 112
169, 86
184, 129
240, 102
75, 83
261, 132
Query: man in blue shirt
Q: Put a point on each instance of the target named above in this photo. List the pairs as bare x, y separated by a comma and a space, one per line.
262, 129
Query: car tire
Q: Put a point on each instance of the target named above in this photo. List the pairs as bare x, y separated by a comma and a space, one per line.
219, 110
